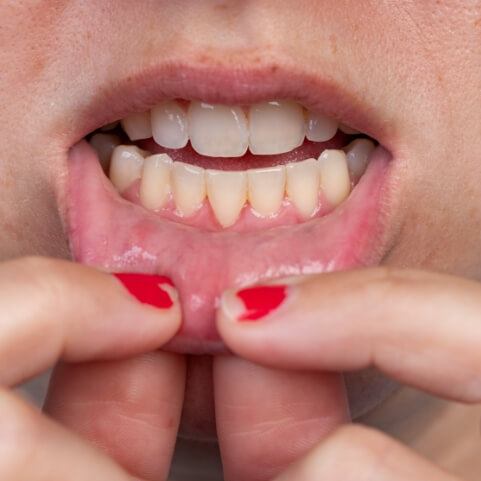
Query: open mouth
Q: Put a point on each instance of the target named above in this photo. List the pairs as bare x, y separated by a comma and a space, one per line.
217, 195
219, 167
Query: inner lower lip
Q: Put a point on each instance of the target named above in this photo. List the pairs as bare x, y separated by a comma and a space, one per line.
111, 233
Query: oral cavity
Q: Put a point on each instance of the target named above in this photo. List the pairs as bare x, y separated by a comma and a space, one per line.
164, 181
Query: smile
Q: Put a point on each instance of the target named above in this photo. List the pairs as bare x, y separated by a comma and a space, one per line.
220, 194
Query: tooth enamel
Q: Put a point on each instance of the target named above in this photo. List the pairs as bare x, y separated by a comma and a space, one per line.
276, 127
155, 184
188, 188
357, 154
266, 189
348, 130
137, 126
169, 125
320, 128
218, 130
303, 180
335, 181
227, 193
104, 145
125, 166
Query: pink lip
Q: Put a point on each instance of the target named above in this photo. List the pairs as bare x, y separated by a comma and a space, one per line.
113, 234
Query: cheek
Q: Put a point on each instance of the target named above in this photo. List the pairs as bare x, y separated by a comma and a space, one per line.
35, 228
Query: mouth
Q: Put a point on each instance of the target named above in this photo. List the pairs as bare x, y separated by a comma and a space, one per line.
219, 179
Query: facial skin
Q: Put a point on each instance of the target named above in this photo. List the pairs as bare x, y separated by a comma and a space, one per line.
417, 65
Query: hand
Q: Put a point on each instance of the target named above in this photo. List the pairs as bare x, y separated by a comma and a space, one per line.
421, 329
55, 310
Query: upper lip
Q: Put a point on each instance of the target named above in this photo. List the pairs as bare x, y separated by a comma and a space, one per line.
139, 91
233, 85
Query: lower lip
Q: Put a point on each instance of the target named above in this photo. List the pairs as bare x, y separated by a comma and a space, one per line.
113, 234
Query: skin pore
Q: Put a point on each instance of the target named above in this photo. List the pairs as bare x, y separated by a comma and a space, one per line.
417, 65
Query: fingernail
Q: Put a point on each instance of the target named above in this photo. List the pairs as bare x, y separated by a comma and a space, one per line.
157, 291
253, 303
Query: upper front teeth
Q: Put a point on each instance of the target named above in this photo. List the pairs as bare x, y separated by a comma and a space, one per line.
217, 130
169, 125
276, 127
266, 128
303, 183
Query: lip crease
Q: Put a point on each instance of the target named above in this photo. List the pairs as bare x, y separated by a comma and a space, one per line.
111, 233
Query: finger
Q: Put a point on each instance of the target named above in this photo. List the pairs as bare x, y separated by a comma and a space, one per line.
267, 418
35, 448
52, 309
421, 329
130, 409
353, 453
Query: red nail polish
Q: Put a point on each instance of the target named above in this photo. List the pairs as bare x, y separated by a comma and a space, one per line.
260, 301
148, 289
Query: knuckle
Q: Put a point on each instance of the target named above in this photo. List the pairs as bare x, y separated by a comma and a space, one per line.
19, 434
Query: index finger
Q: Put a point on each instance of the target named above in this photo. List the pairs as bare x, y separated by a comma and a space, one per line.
51, 309
422, 329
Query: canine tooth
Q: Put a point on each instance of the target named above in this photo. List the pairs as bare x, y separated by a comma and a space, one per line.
266, 189
188, 188
126, 166
169, 125
357, 154
227, 193
104, 145
320, 128
218, 130
348, 130
276, 127
155, 183
303, 180
335, 181
137, 126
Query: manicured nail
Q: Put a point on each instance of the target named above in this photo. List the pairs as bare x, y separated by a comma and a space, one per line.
253, 303
157, 291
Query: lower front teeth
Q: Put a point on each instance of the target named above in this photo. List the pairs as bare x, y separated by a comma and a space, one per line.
188, 187
266, 189
227, 193
155, 184
303, 180
305, 184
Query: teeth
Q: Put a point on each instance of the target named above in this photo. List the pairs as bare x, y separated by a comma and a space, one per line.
104, 145
358, 153
320, 128
155, 183
169, 125
267, 128
348, 130
227, 192
188, 187
218, 130
335, 181
276, 127
126, 166
303, 180
266, 189
137, 126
